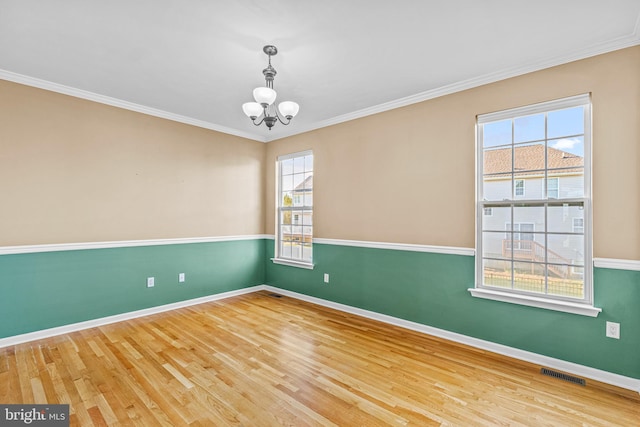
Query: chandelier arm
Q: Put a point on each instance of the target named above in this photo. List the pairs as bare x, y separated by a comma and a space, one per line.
260, 122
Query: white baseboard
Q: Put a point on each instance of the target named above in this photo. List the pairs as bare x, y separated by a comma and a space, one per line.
538, 359
66, 329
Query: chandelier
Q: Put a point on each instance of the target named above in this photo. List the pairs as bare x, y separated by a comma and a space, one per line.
266, 96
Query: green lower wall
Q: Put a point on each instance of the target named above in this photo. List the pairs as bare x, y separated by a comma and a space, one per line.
431, 289
45, 290
49, 289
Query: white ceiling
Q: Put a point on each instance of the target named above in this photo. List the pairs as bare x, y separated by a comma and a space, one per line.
197, 61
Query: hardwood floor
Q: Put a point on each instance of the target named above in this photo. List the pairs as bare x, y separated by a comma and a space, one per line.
258, 360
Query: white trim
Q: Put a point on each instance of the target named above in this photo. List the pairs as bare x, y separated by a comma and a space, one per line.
292, 263
537, 359
398, 246
294, 155
126, 105
57, 247
541, 107
618, 264
531, 301
66, 329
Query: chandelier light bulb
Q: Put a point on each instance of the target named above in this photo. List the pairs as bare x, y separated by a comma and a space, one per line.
264, 95
252, 109
289, 109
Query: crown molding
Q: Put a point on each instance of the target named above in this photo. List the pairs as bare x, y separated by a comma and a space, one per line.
126, 105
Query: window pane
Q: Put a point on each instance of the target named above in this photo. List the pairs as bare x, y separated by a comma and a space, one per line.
496, 133
566, 152
528, 128
307, 218
497, 187
287, 199
498, 218
497, 161
496, 245
298, 180
307, 252
529, 157
528, 246
287, 183
572, 286
286, 166
532, 215
566, 249
497, 273
565, 122
286, 249
561, 218
529, 277
298, 165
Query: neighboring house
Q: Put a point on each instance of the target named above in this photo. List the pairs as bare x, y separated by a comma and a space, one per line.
299, 226
564, 181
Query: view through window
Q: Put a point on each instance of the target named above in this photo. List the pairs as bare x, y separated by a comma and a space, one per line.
295, 208
533, 173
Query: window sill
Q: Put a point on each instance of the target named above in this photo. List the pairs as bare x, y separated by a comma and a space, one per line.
292, 263
531, 301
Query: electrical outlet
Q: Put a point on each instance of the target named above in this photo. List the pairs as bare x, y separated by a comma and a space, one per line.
150, 282
181, 277
326, 277
613, 330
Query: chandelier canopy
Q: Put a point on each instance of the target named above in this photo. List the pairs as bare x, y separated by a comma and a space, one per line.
265, 97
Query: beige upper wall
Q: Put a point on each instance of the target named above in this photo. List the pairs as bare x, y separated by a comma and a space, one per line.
72, 171
408, 175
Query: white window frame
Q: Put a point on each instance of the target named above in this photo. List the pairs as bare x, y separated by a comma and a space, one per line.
547, 301
279, 258
515, 188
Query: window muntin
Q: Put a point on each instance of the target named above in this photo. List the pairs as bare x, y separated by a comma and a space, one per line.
294, 214
533, 174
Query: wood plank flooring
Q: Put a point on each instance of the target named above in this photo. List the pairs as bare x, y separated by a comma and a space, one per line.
257, 360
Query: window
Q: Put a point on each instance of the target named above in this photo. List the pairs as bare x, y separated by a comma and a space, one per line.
294, 214
519, 187
488, 212
537, 244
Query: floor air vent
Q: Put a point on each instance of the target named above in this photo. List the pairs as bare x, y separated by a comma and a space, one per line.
564, 377
275, 295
